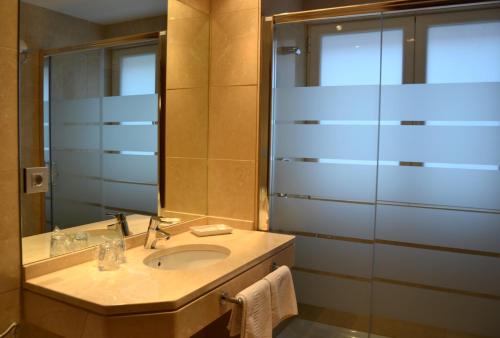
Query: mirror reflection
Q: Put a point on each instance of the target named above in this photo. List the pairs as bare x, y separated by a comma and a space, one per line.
90, 88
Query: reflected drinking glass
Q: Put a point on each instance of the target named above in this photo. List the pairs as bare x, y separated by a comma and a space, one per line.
58, 243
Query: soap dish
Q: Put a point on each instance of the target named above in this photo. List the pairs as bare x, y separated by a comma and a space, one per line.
211, 230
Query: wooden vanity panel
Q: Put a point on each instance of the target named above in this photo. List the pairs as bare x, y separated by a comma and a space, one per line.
70, 321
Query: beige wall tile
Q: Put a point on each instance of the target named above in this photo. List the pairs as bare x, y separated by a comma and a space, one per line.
201, 5
231, 186
10, 259
224, 6
187, 47
233, 122
9, 308
9, 214
187, 185
234, 48
153, 24
8, 109
187, 122
235, 223
8, 27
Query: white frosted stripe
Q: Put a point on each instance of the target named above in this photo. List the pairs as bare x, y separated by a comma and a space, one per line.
460, 188
331, 103
439, 309
74, 111
130, 168
133, 138
75, 137
466, 101
473, 145
130, 196
331, 218
438, 268
339, 294
347, 182
328, 255
355, 142
466, 230
130, 108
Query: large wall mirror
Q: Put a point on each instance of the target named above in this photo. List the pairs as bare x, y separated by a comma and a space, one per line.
92, 120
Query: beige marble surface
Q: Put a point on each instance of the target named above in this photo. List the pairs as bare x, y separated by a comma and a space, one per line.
136, 288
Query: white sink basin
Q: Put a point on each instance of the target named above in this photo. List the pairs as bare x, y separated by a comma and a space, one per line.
187, 257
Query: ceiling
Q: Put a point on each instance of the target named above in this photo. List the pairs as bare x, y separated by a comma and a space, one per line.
105, 12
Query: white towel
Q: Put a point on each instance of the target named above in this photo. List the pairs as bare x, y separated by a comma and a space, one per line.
253, 319
283, 300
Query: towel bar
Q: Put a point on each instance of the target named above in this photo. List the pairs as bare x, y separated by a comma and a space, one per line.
12, 328
224, 297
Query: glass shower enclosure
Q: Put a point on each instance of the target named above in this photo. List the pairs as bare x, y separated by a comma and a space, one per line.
385, 164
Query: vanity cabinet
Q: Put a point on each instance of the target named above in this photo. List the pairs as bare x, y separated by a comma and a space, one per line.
65, 316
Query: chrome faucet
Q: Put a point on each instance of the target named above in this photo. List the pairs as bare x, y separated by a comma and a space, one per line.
121, 221
154, 231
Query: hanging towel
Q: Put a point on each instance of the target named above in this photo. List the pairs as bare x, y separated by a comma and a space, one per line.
253, 318
283, 300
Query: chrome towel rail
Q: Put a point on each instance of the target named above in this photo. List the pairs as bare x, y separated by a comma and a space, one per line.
224, 297
12, 328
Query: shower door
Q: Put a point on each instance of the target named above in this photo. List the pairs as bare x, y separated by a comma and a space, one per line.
385, 165
101, 113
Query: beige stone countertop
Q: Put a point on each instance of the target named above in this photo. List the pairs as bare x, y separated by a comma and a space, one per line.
137, 288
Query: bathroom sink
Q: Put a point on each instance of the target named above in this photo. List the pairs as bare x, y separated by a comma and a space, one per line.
187, 257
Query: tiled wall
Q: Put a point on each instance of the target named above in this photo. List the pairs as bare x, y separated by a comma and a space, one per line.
187, 106
232, 146
9, 206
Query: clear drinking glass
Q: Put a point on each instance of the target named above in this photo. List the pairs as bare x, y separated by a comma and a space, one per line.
108, 257
119, 245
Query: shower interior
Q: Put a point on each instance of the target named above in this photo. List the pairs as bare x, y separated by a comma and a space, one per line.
385, 164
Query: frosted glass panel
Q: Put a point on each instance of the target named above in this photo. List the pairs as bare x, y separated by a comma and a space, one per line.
445, 187
468, 52
354, 58
441, 102
326, 180
136, 197
327, 103
133, 168
329, 292
438, 268
130, 108
445, 228
340, 257
337, 142
442, 144
330, 218
131, 138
